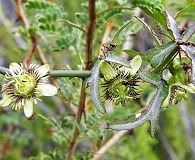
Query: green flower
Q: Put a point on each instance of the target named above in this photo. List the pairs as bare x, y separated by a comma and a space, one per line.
23, 85
120, 83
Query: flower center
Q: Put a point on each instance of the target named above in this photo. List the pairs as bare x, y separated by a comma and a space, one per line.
24, 84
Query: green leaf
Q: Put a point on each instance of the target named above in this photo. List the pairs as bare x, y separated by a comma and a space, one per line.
82, 18
133, 53
149, 4
158, 54
42, 27
108, 14
134, 27
119, 31
185, 10
62, 42
151, 78
151, 113
115, 59
42, 19
172, 25
94, 89
160, 18
38, 4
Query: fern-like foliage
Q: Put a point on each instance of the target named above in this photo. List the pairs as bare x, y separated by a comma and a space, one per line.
52, 19
39, 4
153, 5
108, 14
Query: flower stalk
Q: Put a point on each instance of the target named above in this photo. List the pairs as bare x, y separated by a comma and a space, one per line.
59, 73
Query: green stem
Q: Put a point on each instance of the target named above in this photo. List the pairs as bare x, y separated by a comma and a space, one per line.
70, 73
72, 24
59, 73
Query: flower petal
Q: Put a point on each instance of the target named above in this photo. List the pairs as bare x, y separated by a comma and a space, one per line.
28, 108
135, 64
42, 70
47, 89
5, 101
13, 67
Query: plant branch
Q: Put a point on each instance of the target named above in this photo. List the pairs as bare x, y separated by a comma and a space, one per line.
90, 33
21, 15
29, 56
81, 108
109, 144
22, 18
74, 139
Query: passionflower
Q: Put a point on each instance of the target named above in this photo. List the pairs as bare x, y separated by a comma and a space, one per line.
120, 83
24, 85
180, 81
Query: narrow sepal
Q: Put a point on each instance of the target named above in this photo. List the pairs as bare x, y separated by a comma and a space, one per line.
94, 89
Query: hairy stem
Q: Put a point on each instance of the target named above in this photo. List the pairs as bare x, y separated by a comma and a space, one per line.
70, 73
59, 73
